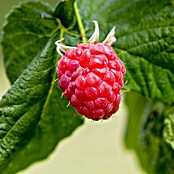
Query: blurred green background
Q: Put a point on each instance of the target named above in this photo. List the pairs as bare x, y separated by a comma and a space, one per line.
94, 148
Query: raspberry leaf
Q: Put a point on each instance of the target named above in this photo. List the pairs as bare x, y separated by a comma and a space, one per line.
168, 131
135, 118
65, 12
31, 123
146, 41
150, 133
33, 117
25, 34
147, 44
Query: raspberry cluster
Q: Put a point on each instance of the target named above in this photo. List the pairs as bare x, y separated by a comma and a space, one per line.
91, 77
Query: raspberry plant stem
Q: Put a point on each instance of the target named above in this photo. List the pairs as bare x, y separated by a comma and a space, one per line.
80, 24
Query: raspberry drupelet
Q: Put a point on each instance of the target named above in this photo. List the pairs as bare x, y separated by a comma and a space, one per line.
91, 76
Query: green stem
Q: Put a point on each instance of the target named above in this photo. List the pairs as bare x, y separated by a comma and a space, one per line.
61, 33
62, 29
80, 24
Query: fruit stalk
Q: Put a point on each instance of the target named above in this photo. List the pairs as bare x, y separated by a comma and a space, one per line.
80, 24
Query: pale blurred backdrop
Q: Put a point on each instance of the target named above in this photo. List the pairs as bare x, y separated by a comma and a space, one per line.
94, 148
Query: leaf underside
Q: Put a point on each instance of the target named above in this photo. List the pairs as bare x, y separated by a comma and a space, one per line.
150, 133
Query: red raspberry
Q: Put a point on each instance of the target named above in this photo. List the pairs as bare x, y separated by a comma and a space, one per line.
91, 77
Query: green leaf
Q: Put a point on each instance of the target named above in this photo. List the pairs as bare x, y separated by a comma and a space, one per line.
134, 125
150, 134
65, 12
29, 27
147, 43
160, 154
146, 39
145, 32
168, 132
137, 106
33, 117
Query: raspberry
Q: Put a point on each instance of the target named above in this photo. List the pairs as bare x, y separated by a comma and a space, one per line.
91, 77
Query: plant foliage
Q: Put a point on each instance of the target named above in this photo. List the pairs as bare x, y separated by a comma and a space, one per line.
33, 116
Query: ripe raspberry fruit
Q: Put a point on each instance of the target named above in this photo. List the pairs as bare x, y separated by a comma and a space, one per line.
91, 76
